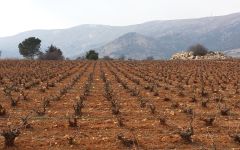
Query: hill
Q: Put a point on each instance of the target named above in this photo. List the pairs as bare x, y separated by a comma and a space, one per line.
132, 45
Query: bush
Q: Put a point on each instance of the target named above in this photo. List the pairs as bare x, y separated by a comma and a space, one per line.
149, 58
107, 58
122, 57
198, 50
53, 53
92, 55
80, 58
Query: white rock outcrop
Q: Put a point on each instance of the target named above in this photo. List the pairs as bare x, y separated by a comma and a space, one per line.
190, 56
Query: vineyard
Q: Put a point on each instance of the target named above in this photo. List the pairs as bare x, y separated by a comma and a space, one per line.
120, 104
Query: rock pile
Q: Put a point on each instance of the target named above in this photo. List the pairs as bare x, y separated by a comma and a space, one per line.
190, 56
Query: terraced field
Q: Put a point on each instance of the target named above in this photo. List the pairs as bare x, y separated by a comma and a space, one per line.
119, 104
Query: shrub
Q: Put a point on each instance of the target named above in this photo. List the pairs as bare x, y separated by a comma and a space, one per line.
2, 110
92, 55
149, 58
9, 136
122, 57
53, 53
127, 141
107, 58
198, 50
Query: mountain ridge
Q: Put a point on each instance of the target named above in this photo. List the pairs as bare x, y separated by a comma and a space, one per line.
216, 33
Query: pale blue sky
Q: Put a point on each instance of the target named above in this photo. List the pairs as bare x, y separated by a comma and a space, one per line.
21, 15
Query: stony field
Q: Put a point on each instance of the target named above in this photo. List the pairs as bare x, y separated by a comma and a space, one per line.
120, 104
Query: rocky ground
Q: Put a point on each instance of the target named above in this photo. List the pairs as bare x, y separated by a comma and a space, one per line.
120, 105
190, 56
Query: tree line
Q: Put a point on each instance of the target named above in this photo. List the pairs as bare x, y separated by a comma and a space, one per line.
30, 49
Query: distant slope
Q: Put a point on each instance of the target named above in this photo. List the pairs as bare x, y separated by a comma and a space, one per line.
131, 45
233, 53
216, 33
72, 41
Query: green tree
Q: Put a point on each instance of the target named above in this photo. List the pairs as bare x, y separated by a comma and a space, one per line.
30, 47
52, 53
92, 55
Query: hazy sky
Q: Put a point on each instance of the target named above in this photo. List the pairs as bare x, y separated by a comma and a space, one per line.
21, 15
